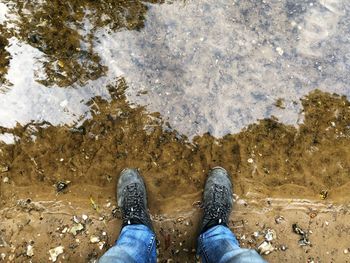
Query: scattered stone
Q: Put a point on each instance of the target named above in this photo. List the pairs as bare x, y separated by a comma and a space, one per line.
346, 251
250, 160
270, 235
3, 256
11, 257
6, 180
28, 205
64, 230
76, 220
180, 219
60, 186
313, 215
4, 168
2, 242
30, 251
101, 244
280, 51
304, 241
265, 248
76, 229
324, 194
55, 252
256, 234
94, 239
84, 217
283, 248
279, 219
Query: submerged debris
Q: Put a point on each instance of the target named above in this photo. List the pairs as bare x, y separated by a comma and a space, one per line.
6, 180
55, 252
4, 168
304, 241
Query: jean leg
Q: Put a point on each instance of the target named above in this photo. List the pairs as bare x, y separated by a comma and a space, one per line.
219, 245
136, 244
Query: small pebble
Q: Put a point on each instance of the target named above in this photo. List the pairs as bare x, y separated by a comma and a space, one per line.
280, 51
101, 244
30, 251
94, 239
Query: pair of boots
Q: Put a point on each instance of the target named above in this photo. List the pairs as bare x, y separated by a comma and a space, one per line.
217, 200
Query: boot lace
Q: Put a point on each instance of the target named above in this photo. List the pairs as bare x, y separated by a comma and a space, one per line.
134, 208
218, 206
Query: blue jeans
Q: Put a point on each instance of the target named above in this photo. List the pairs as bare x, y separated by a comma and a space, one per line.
137, 244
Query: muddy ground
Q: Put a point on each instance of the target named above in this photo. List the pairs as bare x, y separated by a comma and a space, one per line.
299, 173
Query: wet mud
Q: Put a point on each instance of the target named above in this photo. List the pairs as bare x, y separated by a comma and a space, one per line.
268, 157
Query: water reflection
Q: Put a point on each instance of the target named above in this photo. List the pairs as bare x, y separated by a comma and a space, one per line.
217, 66
212, 66
64, 32
4, 57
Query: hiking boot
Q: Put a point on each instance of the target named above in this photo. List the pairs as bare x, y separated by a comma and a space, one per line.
217, 200
132, 198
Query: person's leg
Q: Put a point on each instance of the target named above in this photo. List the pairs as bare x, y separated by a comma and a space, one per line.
219, 245
137, 241
216, 243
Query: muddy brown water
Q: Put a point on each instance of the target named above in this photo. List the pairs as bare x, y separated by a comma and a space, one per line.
174, 89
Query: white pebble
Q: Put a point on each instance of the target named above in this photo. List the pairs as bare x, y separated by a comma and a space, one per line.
280, 51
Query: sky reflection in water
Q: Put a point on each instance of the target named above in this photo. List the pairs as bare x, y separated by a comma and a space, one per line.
212, 66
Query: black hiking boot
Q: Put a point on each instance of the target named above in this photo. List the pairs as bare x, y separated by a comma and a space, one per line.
217, 200
132, 198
